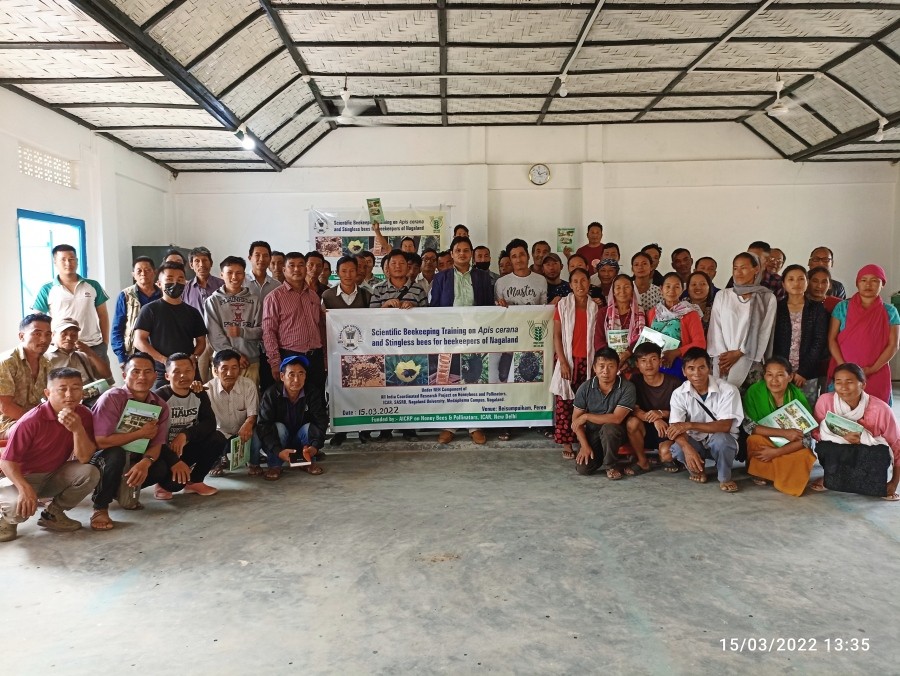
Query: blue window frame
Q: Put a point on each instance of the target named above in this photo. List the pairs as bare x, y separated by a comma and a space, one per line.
38, 234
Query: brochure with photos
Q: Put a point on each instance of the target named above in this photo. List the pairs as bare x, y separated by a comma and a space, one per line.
135, 416
791, 416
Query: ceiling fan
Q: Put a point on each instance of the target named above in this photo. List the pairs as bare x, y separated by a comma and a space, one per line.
782, 106
354, 112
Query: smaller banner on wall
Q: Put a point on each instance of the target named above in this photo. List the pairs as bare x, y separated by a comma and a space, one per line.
347, 232
440, 367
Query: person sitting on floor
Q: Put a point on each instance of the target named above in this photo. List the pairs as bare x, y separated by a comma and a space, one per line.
68, 351
879, 438
23, 371
601, 406
37, 458
192, 429
649, 422
704, 414
787, 466
291, 424
235, 402
155, 464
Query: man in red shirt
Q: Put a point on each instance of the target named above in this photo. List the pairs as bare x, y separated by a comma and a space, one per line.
37, 458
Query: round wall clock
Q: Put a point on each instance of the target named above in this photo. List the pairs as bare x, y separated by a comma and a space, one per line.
539, 174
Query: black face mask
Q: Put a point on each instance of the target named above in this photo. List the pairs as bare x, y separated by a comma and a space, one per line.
173, 290
484, 265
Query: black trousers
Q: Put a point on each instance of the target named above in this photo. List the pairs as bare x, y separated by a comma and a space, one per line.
202, 455
605, 441
111, 463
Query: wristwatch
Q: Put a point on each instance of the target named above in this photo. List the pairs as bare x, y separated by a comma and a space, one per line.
147, 457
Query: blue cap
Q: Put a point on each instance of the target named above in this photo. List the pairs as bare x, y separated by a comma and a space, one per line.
294, 359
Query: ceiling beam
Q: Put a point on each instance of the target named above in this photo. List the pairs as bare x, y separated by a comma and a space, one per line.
225, 37
161, 14
81, 80
851, 136
266, 101
290, 119
217, 161
250, 72
65, 45
740, 23
570, 59
310, 147
119, 24
565, 44
611, 5
765, 139
282, 31
442, 33
129, 104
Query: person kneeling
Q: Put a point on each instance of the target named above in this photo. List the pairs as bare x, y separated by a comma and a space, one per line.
600, 408
703, 420
36, 458
192, 429
157, 462
290, 423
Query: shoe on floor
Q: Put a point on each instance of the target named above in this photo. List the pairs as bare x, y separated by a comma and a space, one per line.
445, 437
365, 437
7, 530
53, 518
410, 435
161, 493
200, 488
478, 437
338, 439
384, 435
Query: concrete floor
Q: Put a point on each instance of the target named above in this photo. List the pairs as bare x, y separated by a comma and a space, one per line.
422, 559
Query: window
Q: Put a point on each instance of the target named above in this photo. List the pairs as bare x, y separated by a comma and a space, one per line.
38, 234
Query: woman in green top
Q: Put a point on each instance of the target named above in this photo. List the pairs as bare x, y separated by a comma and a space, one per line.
788, 466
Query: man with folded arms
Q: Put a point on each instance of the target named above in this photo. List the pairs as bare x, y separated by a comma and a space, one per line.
37, 456
156, 464
291, 426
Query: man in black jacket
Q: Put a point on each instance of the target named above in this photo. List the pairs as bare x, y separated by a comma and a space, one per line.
193, 436
291, 424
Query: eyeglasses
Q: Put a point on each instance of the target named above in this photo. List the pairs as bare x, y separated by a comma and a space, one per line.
821, 259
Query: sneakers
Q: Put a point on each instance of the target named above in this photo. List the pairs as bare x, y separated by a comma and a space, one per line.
200, 488
7, 530
477, 437
338, 439
410, 436
53, 518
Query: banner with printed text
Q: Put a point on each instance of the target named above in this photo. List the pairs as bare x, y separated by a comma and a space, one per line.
440, 367
346, 232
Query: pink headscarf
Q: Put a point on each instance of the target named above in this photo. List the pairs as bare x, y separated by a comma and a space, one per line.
874, 270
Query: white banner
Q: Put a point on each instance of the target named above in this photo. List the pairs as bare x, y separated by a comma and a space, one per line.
440, 367
343, 232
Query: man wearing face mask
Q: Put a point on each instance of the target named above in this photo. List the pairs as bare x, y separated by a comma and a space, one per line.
483, 261
168, 325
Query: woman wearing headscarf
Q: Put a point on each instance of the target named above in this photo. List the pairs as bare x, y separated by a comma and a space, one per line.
787, 466
740, 325
607, 269
577, 335
623, 314
865, 330
678, 319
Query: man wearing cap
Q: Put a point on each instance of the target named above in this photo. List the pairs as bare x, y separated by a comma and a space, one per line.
67, 351
71, 295
23, 371
461, 287
557, 287
38, 458
291, 425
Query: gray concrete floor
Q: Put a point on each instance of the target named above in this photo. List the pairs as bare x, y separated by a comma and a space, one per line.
422, 559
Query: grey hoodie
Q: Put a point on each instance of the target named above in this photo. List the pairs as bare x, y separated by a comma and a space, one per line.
243, 309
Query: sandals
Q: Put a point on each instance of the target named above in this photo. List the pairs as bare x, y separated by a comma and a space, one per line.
672, 467
893, 497
101, 521
503, 436
728, 487
549, 433
568, 454
699, 477
314, 469
613, 474
818, 488
635, 469
219, 468
272, 474
760, 482
255, 470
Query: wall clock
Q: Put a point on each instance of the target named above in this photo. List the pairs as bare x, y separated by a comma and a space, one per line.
539, 174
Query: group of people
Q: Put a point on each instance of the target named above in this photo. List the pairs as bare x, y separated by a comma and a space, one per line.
242, 356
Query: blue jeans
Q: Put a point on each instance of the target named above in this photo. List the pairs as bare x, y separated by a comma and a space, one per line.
721, 447
285, 440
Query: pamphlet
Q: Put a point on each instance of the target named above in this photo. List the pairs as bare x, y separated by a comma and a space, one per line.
791, 416
617, 339
841, 426
95, 389
376, 213
564, 238
136, 415
665, 342
238, 453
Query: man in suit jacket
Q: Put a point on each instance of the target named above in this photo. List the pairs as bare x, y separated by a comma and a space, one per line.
461, 286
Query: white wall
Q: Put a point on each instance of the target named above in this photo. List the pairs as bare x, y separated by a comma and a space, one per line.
711, 187
120, 196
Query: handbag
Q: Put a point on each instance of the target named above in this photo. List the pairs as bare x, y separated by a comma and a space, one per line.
855, 468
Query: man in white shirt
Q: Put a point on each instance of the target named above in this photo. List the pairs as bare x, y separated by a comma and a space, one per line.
703, 421
235, 401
